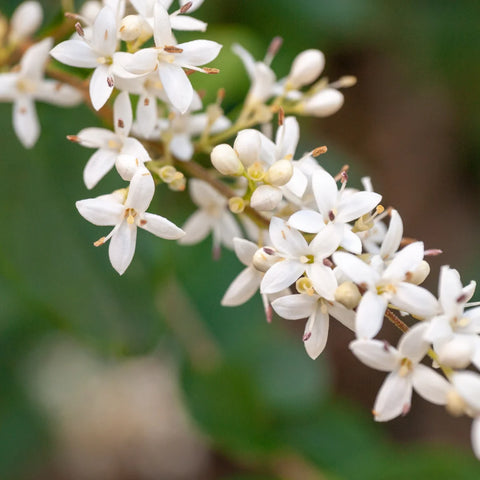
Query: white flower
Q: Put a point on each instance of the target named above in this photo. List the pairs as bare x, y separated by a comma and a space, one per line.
113, 147
386, 284
126, 217
26, 85
95, 52
334, 206
317, 310
407, 373
26, 20
169, 59
212, 216
299, 257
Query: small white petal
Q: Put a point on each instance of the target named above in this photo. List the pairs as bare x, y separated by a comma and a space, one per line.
393, 237
25, 121
375, 354
287, 138
140, 193
197, 52
468, 386
227, 229
181, 146
177, 86
105, 32
295, 307
287, 239
323, 280
413, 344
146, 114
196, 228
357, 270
26, 20
162, 31
75, 53
99, 164
475, 436
245, 250
139, 63
370, 314
415, 300
356, 205
101, 211
306, 221
325, 191
281, 275
94, 137
122, 246
32, 64
406, 260
430, 385
242, 288
316, 332
160, 226
60, 94
189, 24
122, 114
266, 198
101, 86
394, 397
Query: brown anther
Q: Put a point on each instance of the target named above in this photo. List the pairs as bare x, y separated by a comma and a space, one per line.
407, 241
172, 49
73, 138
281, 116
220, 95
110, 82
99, 242
79, 29
146, 102
307, 336
386, 346
339, 175
331, 216
269, 251
462, 298
186, 7
58, 86
23, 110
274, 46
143, 222
189, 71
319, 151
405, 409
211, 71
344, 177
328, 263
432, 252
120, 123
71, 15
105, 35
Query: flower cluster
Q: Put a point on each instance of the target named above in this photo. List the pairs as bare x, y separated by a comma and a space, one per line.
312, 245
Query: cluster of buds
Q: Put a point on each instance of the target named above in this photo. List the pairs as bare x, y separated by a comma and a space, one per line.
312, 246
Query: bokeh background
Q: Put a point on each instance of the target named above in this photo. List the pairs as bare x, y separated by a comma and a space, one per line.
146, 376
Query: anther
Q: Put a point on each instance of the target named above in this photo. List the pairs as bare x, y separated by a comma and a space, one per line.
281, 116
273, 49
307, 336
328, 263
211, 71
339, 175
110, 82
319, 151
186, 7
73, 138
331, 216
120, 123
99, 242
146, 102
172, 49
79, 29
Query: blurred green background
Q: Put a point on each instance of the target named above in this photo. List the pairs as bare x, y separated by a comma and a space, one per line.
82, 350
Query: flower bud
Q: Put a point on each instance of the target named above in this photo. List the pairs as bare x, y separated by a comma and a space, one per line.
264, 258
236, 204
179, 183
131, 28
455, 353
248, 145
167, 173
306, 68
348, 295
266, 198
322, 104
279, 173
90, 10
225, 160
26, 20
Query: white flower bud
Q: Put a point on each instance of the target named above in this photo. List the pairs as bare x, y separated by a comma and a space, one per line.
420, 274
279, 173
324, 103
26, 20
225, 160
90, 10
248, 145
127, 166
455, 353
348, 295
131, 28
265, 198
306, 68
264, 258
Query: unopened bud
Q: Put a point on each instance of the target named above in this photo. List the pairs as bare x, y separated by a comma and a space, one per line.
127, 166
348, 295
265, 198
236, 204
248, 145
306, 68
304, 285
26, 20
178, 184
256, 172
131, 28
322, 104
419, 274
167, 173
279, 173
264, 258
455, 353
225, 160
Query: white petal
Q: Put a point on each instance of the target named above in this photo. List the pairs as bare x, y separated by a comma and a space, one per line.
439, 329
25, 121
75, 53
122, 113
182, 22
475, 436
100, 211
197, 52
356, 205
325, 191
326, 241
181, 146
61, 94
295, 307
350, 241
146, 114
160, 226
370, 314
266, 198
394, 398
406, 260
227, 229
195, 4
415, 300
122, 246
286, 239
204, 195
94, 137
105, 32
242, 288
468, 386
26, 19
139, 63
298, 183
196, 228
306, 221
413, 344
375, 354
357, 270
33, 61
316, 333
99, 164
131, 146
101, 86
343, 315
281, 275
323, 280
177, 86
287, 138
140, 193
162, 31
393, 237
246, 58
8, 86
245, 250
430, 385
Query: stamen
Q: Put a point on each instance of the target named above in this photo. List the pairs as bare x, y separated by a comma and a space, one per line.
306, 336
100, 241
146, 102
432, 252
110, 82
339, 175
281, 116
186, 7
79, 29
172, 49
272, 50
73, 138
210, 71
120, 123
319, 151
